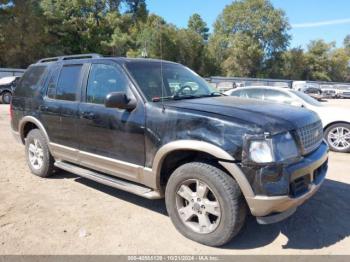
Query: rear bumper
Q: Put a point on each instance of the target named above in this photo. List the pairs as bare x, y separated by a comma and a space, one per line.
311, 170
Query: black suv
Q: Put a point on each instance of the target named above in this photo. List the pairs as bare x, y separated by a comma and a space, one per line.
157, 129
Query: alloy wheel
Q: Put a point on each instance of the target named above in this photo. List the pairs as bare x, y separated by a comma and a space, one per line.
198, 207
36, 154
339, 138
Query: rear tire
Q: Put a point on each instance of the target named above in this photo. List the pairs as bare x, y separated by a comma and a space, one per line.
338, 137
6, 97
39, 159
212, 220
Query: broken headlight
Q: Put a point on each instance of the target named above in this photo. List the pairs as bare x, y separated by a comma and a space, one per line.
269, 149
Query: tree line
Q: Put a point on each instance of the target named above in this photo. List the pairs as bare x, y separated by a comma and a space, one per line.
250, 38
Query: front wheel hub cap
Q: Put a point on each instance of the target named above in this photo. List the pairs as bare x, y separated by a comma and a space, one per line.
197, 206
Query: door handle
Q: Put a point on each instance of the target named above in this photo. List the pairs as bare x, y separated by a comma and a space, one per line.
88, 115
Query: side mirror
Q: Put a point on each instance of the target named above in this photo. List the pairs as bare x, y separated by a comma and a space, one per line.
119, 100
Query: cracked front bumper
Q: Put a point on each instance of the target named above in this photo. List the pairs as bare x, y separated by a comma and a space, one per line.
305, 178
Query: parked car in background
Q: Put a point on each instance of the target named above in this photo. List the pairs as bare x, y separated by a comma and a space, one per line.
336, 121
343, 91
312, 89
224, 86
328, 91
11, 72
7, 86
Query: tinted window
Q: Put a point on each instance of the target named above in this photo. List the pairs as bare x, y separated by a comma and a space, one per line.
237, 93
31, 82
254, 93
104, 79
51, 86
306, 98
277, 96
69, 82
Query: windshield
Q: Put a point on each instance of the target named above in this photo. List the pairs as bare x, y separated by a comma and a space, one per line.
306, 98
179, 81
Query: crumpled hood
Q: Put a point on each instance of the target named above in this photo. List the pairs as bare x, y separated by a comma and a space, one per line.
270, 117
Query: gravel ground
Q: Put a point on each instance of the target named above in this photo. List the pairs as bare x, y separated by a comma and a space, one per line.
70, 215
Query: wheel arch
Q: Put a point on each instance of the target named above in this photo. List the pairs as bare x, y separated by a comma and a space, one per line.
28, 123
6, 90
334, 123
221, 157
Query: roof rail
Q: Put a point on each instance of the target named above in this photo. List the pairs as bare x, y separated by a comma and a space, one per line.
68, 57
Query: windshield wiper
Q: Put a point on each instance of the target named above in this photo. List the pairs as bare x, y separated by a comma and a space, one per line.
179, 97
174, 97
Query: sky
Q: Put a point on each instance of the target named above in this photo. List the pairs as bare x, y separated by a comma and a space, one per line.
310, 19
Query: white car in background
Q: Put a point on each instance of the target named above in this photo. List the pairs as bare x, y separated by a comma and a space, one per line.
335, 120
343, 91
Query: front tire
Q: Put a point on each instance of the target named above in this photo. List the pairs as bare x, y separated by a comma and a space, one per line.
205, 204
338, 137
38, 156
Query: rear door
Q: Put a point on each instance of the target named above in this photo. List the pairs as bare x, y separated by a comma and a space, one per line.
60, 107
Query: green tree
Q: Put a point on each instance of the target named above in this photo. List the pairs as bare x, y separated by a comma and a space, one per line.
294, 64
346, 44
196, 24
138, 9
340, 70
318, 60
249, 36
119, 40
78, 25
243, 56
23, 38
155, 38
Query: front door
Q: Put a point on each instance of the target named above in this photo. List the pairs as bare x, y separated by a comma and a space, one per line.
110, 140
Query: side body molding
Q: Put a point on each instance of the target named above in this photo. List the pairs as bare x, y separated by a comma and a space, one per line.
208, 148
35, 121
147, 176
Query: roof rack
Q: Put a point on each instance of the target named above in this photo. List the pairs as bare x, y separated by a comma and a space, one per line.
68, 57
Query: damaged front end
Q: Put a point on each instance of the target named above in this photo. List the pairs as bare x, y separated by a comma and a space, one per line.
264, 158
283, 179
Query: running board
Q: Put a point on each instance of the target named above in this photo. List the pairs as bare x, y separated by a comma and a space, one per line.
109, 181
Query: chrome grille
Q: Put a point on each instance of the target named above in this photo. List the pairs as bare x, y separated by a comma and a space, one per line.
310, 137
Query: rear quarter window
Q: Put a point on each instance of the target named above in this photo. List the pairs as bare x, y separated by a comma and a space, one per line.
31, 82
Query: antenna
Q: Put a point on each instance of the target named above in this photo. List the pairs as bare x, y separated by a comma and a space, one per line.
161, 64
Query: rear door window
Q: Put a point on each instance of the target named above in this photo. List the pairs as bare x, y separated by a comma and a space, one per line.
69, 82
254, 93
236, 93
277, 96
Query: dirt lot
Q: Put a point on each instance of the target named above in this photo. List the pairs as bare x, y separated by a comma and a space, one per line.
70, 215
